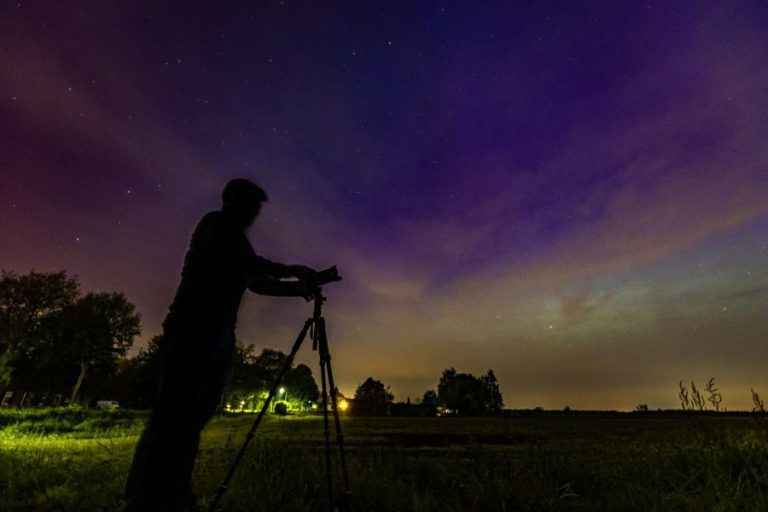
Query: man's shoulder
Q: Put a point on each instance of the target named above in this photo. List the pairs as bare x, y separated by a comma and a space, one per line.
213, 216
209, 225
217, 227
210, 220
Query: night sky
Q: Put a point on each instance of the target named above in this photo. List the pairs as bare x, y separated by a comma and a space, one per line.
572, 194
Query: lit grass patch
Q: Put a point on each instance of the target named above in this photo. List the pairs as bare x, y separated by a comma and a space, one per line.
424, 464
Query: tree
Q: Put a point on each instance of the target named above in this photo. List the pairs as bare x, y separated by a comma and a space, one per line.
252, 376
28, 304
492, 400
429, 401
301, 385
247, 381
137, 380
52, 337
460, 392
468, 395
372, 397
6, 368
94, 333
270, 361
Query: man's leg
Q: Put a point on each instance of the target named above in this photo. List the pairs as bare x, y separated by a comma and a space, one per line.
207, 395
147, 486
194, 380
151, 481
144, 471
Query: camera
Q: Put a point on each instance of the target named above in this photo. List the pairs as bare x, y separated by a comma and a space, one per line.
328, 275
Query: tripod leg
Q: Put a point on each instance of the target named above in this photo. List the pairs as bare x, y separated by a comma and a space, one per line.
327, 432
272, 391
325, 355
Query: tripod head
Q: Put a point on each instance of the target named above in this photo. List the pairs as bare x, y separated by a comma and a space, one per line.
329, 275
321, 278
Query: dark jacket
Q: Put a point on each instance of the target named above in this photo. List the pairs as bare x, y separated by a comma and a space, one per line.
218, 266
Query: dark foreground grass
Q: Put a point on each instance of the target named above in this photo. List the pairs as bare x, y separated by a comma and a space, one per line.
428, 464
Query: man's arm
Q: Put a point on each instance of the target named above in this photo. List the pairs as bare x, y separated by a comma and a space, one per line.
304, 274
265, 285
215, 242
261, 265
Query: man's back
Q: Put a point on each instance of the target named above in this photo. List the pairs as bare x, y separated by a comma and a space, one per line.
217, 267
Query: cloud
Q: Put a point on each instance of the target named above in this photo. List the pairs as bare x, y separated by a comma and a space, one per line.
57, 101
577, 306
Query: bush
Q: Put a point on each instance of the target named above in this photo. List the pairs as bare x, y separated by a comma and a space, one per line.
63, 420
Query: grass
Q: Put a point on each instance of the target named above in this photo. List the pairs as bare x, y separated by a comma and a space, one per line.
77, 460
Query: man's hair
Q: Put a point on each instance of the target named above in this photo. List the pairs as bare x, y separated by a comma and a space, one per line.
241, 191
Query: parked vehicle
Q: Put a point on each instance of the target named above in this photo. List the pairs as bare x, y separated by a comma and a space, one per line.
107, 405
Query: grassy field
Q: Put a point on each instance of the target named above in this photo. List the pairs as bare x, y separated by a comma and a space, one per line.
76, 460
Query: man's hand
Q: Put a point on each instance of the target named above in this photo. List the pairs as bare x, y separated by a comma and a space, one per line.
306, 275
302, 290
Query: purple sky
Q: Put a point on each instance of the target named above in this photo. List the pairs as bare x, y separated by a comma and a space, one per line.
574, 195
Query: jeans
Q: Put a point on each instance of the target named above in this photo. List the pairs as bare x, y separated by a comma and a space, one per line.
196, 370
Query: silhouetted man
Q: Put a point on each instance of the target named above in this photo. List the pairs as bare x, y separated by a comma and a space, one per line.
199, 337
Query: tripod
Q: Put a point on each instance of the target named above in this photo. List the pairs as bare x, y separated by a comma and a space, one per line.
316, 327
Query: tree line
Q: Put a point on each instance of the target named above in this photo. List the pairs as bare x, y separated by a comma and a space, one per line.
458, 394
137, 380
55, 339
52, 337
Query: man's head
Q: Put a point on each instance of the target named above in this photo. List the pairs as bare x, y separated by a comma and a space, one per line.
243, 198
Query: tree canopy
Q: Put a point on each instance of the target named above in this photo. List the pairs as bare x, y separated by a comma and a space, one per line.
466, 395
372, 397
137, 380
51, 337
28, 303
252, 375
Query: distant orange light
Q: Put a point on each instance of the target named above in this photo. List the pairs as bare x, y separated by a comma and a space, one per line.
343, 405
